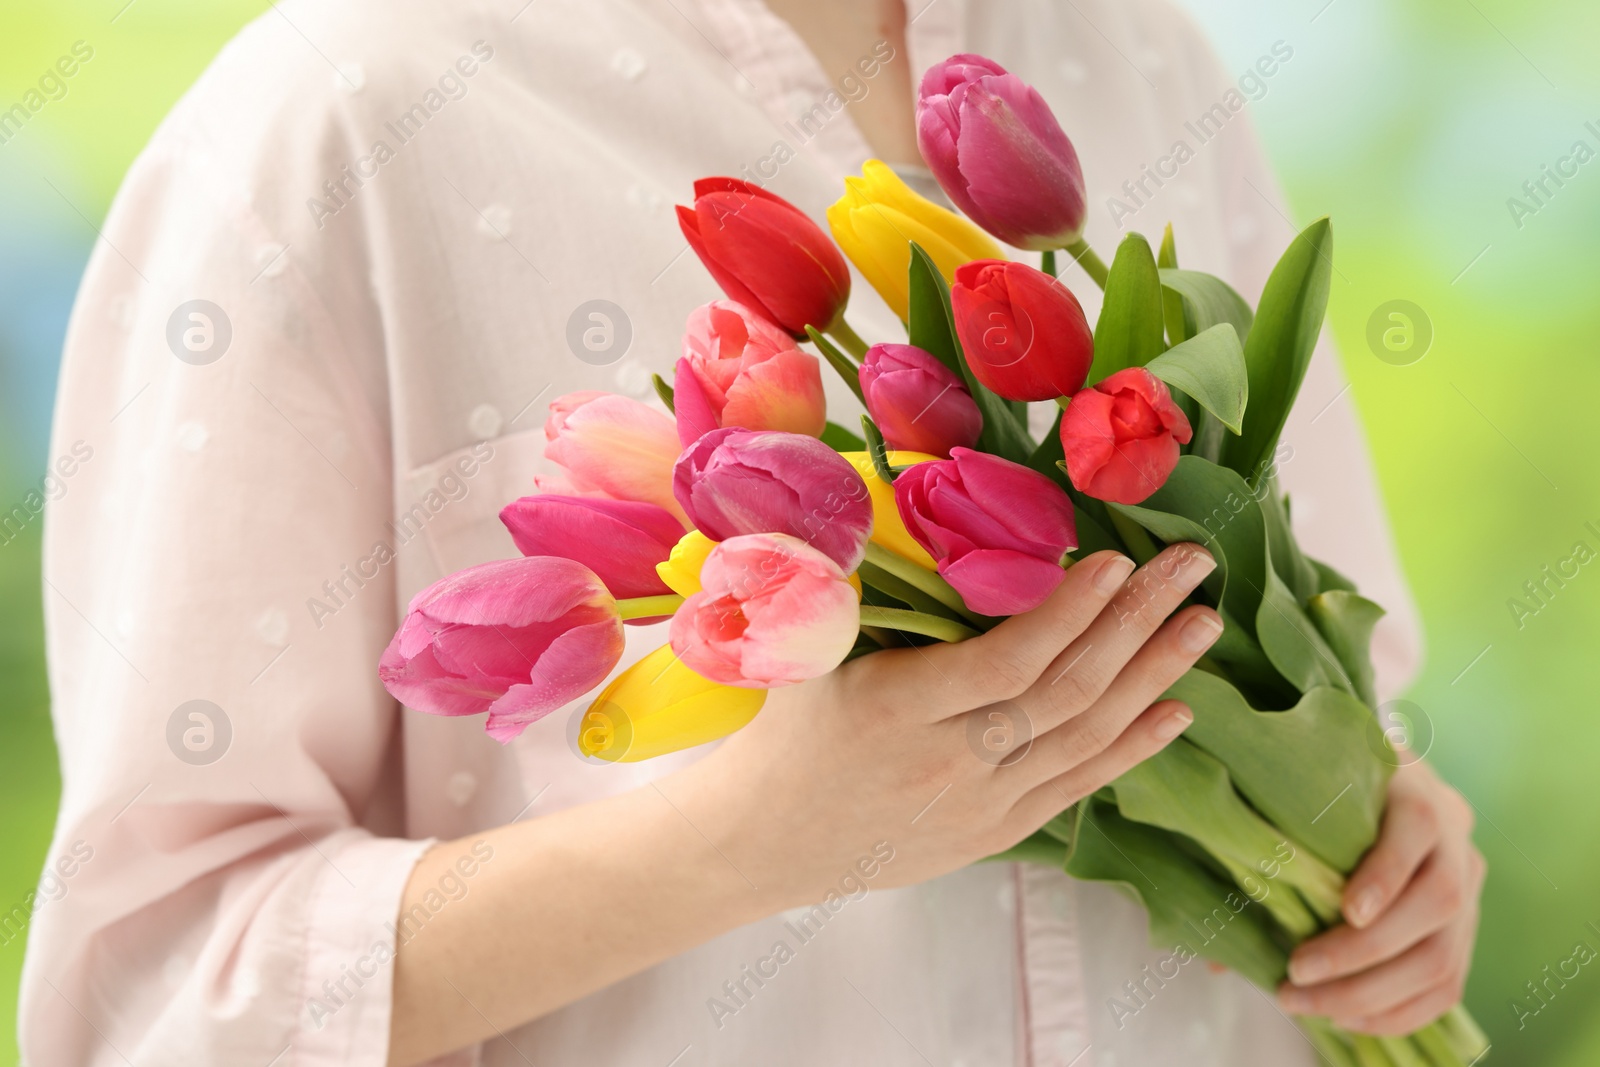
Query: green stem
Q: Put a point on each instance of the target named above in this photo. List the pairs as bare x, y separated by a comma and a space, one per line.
1431, 1039
1047, 261
840, 331
922, 579
648, 607
915, 622
1403, 1053
1092, 264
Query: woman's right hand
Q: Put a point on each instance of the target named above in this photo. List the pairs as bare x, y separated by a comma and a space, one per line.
928, 749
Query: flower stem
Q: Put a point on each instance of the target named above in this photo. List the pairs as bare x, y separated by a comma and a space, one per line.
1092, 264
848, 339
1047, 261
921, 578
915, 622
649, 607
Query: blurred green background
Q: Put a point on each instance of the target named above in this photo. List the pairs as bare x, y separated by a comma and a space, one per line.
1410, 121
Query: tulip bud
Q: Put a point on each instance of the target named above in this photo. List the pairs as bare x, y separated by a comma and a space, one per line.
516, 638
740, 370
772, 611
613, 446
879, 217
766, 254
888, 530
733, 482
999, 153
1121, 436
622, 541
918, 403
998, 530
659, 706
1023, 332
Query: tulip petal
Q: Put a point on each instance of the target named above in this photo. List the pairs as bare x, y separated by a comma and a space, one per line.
575, 662
998, 582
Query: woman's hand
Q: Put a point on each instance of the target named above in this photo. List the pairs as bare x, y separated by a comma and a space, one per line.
927, 749
1412, 913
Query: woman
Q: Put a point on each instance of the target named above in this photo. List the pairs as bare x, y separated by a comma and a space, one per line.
312, 356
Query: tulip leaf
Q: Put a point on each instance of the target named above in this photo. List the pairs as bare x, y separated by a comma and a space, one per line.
840, 439
1208, 300
1131, 329
838, 361
932, 328
664, 391
1180, 326
1293, 643
1048, 457
1346, 621
1293, 567
1210, 368
878, 450
1280, 344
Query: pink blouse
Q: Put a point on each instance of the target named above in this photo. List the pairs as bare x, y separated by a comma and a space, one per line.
308, 366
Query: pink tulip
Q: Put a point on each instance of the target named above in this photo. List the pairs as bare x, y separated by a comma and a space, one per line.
620, 540
918, 403
613, 446
740, 370
1121, 436
733, 482
997, 149
517, 638
772, 611
998, 530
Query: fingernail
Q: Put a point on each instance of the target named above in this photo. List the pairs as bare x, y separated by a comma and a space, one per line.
1174, 724
1200, 633
1309, 969
1365, 906
1198, 566
1112, 574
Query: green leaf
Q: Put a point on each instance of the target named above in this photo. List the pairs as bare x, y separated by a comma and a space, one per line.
1293, 643
838, 361
1292, 565
1210, 368
1328, 578
1209, 301
1279, 347
878, 450
1346, 621
1049, 453
664, 391
932, 328
1130, 330
1309, 770
840, 439
1179, 326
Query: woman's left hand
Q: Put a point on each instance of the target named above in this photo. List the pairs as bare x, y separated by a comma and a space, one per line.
1412, 914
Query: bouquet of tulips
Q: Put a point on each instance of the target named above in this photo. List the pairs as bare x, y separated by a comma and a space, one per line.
780, 544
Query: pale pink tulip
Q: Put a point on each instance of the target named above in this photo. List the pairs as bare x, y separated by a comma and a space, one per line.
738, 369
613, 446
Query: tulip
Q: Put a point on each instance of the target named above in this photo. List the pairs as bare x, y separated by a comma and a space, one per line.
1121, 437
681, 569
613, 446
999, 531
516, 638
733, 482
996, 148
622, 541
918, 403
740, 370
766, 254
659, 706
877, 219
888, 529
772, 611
1023, 331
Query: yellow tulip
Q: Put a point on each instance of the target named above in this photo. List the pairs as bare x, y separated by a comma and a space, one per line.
658, 706
877, 219
681, 570
888, 529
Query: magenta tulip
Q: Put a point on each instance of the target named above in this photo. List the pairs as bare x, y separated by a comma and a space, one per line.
772, 611
620, 540
740, 370
919, 404
612, 446
733, 482
996, 148
998, 530
516, 638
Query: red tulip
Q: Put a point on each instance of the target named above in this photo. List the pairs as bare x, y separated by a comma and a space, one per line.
766, 254
1121, 437
917, 401
740, 370
1023, 331
620, 540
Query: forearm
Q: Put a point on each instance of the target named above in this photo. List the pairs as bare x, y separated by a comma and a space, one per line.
569, 904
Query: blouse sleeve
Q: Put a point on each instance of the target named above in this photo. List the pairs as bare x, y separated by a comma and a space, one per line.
226, 871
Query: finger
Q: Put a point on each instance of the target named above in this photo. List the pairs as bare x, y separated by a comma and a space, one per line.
1411, 830
1431, 962
1439, 894
1087, 666
1411, 1016
1004, 662
1152, 731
